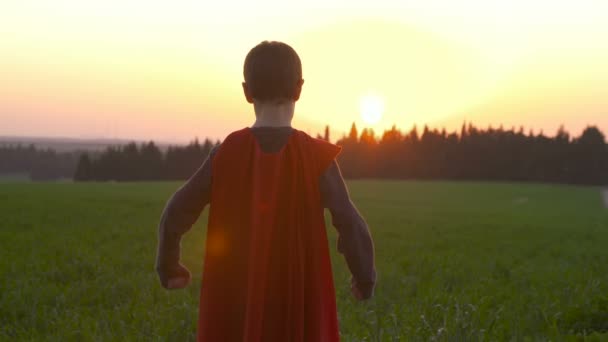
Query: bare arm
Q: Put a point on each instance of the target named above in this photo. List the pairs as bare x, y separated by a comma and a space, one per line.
354, 240
180, 213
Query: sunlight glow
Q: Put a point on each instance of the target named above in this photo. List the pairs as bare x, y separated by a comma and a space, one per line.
371, 108
173, 69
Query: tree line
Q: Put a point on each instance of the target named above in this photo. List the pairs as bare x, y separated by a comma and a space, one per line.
145, 162
472, 153
477, 154
37, 164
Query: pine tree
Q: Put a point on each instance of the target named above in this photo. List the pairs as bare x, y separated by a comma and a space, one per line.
83, 169
353, 136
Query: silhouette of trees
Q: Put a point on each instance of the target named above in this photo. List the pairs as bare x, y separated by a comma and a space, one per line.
146, 162
589, 158
493, 154
37, 164
83, 169
477, 154
181, 162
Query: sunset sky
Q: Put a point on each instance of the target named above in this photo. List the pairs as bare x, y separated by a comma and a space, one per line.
171, 70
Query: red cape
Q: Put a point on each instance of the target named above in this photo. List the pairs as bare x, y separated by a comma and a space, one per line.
267, 273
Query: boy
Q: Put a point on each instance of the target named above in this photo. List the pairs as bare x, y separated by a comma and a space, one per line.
267, 272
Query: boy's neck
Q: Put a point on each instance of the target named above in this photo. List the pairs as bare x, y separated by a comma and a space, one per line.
273, 114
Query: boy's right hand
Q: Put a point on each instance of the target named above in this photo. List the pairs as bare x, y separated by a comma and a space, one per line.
178, 283
177, 278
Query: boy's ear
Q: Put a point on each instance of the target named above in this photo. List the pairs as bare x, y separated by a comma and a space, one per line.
247, 93
298, 90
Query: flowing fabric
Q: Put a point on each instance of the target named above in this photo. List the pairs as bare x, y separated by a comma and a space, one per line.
267, 273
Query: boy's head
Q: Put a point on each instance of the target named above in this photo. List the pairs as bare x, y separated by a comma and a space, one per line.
273, 73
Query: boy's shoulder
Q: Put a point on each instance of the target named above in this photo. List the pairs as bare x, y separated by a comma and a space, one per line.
231, 139
239, 134
322, 143
311, 139
245, 134
324, 151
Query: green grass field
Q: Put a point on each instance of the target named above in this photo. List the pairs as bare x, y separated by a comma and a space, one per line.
456, 262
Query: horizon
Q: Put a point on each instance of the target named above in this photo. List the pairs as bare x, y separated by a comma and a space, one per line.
7, 140
172, 72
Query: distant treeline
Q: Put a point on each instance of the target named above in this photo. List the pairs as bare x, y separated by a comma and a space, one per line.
37, 164
145, 162
477, 154
470, 154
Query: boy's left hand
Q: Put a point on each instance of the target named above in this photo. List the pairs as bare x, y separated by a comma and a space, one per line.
356, 293
361, 292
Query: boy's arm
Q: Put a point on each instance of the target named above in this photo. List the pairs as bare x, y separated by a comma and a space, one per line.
354, 239
180, 213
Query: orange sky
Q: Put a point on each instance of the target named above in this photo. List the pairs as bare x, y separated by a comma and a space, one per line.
172, 70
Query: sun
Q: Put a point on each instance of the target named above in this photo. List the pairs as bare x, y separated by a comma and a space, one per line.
371, 108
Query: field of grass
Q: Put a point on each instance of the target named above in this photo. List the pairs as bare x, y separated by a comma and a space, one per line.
456, 262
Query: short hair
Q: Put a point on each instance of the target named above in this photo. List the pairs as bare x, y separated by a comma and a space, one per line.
272, 71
